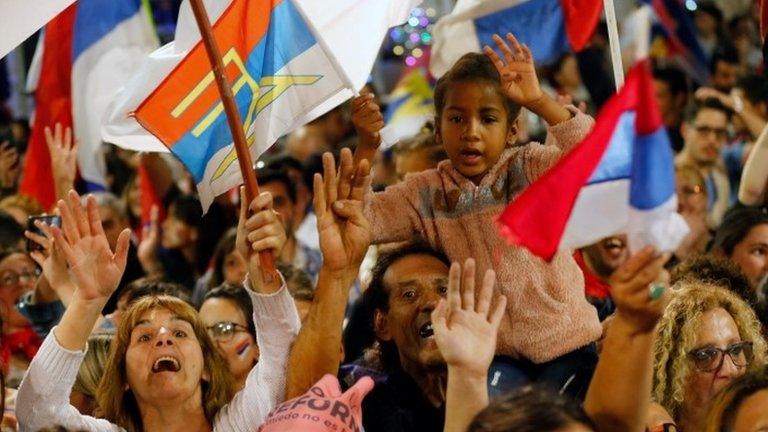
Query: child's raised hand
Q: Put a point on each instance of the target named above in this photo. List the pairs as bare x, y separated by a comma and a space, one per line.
518, 73
367, 119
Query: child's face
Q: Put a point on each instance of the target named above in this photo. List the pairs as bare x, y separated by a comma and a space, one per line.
473, 127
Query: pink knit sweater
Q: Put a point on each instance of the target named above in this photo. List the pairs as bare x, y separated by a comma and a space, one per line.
547, 313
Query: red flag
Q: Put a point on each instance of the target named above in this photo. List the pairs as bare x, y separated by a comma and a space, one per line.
581, 18
53, 105
148, 197
763, 18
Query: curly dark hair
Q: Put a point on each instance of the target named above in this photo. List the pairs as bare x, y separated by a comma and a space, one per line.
715, 270
530, 409
376, 297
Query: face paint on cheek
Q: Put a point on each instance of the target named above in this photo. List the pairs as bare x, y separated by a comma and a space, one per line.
243, 349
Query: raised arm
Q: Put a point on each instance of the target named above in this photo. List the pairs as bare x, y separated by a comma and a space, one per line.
9, 168
96, 269
519, 80
753, 121
274, 315
619, 395
43, 395
465, 332
753, 190
159, 172
63, 151
56, 283
567, 126
368, 122
344, 238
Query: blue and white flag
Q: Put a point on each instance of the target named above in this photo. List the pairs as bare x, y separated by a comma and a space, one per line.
548, 27
110, 40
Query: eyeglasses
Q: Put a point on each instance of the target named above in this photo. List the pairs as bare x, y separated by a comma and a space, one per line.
720, 133
710, 359
224, 331
13, 278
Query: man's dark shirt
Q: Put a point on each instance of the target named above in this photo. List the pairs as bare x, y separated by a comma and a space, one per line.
398, 404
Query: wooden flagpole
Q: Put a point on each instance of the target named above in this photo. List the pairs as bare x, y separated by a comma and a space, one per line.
266, 258
613, 42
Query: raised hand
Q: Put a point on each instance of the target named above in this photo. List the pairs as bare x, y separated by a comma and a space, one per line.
345, 233
367, 119
96, 268
9, 165
517, 70
51, 259
465, 330
566, 99
631, 287
150, 242
262, 230
63, 151
711, 93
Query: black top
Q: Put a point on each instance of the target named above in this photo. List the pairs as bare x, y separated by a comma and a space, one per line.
398, 404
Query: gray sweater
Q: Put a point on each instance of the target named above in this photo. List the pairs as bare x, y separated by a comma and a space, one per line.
43, 398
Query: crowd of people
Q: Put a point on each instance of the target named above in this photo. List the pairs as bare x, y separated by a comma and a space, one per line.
369, 289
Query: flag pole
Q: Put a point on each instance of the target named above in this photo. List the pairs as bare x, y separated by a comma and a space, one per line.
613, 42
266, 258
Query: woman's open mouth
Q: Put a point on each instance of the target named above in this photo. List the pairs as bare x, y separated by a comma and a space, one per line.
166, 364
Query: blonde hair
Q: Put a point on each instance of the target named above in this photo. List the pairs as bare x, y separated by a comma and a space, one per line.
92, 368
24, 202
692, 175
676, 336
119, 405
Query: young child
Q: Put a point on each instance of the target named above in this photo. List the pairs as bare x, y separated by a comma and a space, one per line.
548, 326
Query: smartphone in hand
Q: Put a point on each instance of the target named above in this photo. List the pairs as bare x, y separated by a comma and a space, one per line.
46, 219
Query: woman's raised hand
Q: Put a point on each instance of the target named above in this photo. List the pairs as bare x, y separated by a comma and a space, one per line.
259, 228
639, 290
96, 268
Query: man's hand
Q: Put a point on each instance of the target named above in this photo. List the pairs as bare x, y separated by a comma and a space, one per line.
631, 288
710, 93
97, 270
345, 233
466, 331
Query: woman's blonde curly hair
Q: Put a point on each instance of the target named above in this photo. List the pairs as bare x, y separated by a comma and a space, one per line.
676, 336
